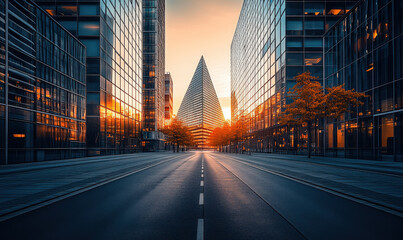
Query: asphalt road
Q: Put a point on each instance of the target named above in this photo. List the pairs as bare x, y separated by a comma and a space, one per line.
204, 195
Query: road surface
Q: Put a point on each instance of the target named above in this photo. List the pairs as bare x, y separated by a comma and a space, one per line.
205, 195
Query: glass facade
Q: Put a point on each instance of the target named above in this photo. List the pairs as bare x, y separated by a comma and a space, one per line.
274, 41
42, 86
364, 51
169, 106
112, 32
153, 73
200, 109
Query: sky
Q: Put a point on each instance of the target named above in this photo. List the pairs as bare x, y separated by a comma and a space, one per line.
195, 28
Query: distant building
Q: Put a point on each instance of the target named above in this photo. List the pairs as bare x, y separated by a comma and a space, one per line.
200, 109
112, 32
168, 98
153, 74
275, 41
42, 86
364, 51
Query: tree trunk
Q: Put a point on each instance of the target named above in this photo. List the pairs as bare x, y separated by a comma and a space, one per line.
309, 139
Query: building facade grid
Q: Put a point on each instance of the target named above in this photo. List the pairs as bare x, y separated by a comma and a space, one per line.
274, 41
364, 51
200, 109
42, 86
112, 32
153, 74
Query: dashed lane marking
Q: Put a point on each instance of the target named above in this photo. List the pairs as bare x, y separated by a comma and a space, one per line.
201, 199
200, 229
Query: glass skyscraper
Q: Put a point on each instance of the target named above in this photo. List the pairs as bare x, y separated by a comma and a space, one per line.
274, 41
200, 109
112, 32
169, 108
153, 74
42, 86
364, 51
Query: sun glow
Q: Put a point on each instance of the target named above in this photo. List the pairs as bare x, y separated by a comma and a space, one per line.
227, 113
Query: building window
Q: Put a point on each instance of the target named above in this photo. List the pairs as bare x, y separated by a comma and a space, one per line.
314, 8
71, 26
92, 47
89, 10
67, 10
314, 26
88, 28
294, 8
294, 26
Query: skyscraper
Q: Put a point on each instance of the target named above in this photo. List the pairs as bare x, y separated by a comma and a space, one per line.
42, 86
274, 41
168, 97
153, 74
200, 109
364, 51
112, 32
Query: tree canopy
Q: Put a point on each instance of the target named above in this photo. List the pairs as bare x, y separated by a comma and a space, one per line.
310, 102
178, 134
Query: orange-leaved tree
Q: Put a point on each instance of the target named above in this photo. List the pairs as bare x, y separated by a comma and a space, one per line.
221, 136
310, 103
178, 134
239, 131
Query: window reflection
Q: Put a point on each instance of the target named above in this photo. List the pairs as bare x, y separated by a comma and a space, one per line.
67, 10
88, 28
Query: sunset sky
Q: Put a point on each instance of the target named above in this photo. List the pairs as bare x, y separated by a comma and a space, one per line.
195, 28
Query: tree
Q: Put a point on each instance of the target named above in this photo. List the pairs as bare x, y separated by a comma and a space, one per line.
340, 101
221, 136
178, 134
310, 103
239, 131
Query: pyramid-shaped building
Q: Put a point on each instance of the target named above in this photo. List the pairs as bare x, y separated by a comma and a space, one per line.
200, 109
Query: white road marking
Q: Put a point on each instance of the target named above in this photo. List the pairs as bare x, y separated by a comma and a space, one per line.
76, 192
202, 171
201, 183
202, 175
200, 229
201, 199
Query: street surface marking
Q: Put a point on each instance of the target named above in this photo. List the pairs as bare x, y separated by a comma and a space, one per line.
201, 199
200, 229
202, 175
76, 192
201, 183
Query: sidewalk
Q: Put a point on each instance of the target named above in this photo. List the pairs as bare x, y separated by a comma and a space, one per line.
376, 183
25, 185
380, 166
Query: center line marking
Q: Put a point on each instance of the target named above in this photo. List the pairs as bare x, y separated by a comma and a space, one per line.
202, 175
200, 229
201, 199
201, 183
202, 171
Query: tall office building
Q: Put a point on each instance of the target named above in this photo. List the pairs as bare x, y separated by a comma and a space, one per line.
274, 41
42, 86
200, 109
112, 32
153, 74
364, 51
169, 109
